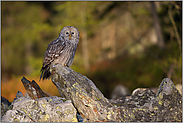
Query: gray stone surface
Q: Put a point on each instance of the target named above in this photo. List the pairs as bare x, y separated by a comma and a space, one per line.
83, 100
46, 109
119, 91
4, 105
142, 106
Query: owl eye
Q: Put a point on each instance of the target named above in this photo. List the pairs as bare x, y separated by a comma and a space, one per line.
67, 33
72, 33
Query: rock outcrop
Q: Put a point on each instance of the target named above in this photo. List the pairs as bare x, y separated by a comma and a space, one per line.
83, 101
45, 109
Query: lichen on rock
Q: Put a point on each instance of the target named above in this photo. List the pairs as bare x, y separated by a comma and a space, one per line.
85, 103
143, 105
46, 109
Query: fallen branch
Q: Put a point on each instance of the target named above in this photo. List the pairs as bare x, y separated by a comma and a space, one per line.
33, 89
174, 26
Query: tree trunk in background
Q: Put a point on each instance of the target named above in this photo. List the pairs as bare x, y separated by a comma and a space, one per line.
174, 26
157, 26
108, 38
112, 41
170, 71
84, 37
28, 54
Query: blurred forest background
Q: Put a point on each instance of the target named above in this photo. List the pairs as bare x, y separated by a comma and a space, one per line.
135, 44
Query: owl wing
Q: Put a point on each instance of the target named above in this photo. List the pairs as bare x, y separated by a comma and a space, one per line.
53, 51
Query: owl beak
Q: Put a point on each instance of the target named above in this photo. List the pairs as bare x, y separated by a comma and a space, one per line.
70, 37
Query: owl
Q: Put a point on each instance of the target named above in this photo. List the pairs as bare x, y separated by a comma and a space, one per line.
60, 51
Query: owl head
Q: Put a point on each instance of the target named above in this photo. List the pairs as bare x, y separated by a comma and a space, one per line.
69, 33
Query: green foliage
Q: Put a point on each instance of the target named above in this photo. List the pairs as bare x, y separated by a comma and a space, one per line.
137, 72
28, 28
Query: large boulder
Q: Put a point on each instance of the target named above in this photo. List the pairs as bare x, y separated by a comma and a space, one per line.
83, 101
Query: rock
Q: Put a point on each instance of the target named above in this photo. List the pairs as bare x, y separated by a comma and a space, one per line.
4, 105
19, 94
85, 96
85, 103
179, 88
46, 109
143, 106
168, 103
146, 106
119, 91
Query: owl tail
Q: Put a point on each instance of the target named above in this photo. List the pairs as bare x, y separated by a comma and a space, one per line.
41, 74
45, 73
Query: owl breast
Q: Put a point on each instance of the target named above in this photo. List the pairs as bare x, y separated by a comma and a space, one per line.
66, 55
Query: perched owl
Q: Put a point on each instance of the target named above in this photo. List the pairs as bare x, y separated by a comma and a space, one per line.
60, 50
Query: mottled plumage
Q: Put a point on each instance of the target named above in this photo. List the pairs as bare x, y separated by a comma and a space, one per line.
61, 50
